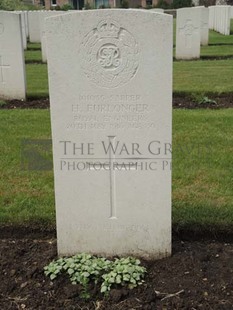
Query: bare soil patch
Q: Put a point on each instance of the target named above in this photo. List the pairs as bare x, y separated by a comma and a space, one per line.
203, 270
180, 101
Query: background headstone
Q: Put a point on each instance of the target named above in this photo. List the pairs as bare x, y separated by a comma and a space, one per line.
12, 67
43, 16
34, 26
211, 17
221, 15
110, 80
26, 21
23, 27
188, 36
204, 27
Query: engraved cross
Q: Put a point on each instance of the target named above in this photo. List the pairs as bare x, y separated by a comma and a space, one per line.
2, 66
112, 176
112, 180
188, 30
113, 208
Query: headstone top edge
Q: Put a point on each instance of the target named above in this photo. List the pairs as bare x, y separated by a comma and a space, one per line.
107, 11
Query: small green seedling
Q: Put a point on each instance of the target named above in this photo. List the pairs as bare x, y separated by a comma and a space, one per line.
205, 100
125, 272
85, 268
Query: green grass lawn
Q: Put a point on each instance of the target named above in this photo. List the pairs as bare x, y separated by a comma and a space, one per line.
214, 51
37, 80
204, 76
217, 38
34, 46
24, 196
217, 50
202, 169
33, 55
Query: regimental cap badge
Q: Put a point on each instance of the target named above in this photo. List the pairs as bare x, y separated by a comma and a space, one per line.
110, 54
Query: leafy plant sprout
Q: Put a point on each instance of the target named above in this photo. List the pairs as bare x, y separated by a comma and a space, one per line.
85, 268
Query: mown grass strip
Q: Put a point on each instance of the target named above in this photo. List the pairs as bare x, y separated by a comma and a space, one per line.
206, 76
37, 81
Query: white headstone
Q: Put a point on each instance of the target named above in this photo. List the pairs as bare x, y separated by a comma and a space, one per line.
227, 20
110, 77
34, 26
216, 19
204, 27
222, 19
12, 67
23, 27
211, 16
232, 12
188, 35
26, 20
43, 16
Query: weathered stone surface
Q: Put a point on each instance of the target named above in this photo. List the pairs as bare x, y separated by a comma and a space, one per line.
34, 26
12, 68
43, 16
188, 34
110, 79
204, 27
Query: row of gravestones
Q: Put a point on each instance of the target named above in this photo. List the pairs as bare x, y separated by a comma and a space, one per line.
192, 30
37, 27
193, 24
219, 18
15, 29
110, 84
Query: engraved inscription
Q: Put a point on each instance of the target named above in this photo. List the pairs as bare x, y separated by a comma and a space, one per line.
107, 112
188, 30
110, 55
